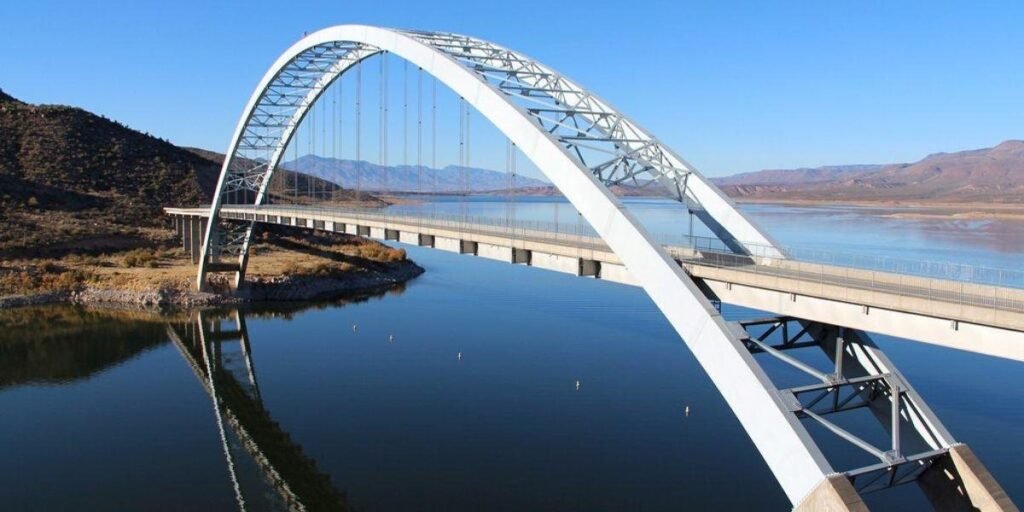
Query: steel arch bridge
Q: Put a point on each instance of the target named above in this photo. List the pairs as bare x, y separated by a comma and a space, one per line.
583, 146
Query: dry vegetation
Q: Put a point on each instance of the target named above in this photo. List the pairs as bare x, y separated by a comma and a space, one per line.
281, 253
278, 253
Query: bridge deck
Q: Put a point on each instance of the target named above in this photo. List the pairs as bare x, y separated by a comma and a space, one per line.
969, 316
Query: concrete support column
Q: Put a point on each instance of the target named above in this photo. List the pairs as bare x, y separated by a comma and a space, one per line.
961, 482
186, 233
589, 267
520, 256
834, 494
195, 238
243, 263
468, 247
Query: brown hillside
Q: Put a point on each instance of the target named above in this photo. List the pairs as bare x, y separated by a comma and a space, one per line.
72, 180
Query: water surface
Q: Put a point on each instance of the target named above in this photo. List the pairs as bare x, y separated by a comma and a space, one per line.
457, 393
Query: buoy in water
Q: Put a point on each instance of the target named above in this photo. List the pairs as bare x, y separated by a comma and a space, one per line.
354, 327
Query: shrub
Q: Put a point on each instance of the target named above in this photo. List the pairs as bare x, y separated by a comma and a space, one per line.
382, 253
70, 280
140, 258
291, 268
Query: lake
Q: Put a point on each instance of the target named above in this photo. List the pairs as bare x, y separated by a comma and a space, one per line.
478, 386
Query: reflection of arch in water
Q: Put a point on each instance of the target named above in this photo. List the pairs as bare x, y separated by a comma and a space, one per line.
237, 403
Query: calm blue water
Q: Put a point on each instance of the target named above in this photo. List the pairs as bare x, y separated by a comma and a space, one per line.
457, 393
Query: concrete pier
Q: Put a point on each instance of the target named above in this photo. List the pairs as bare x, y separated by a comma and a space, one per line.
960, 482
834, 494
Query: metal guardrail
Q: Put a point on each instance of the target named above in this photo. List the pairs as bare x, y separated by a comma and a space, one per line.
938, 284
926, 295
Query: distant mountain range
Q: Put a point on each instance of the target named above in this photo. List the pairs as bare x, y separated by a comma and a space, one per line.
792, 176
295, 187
990, 175
369, 176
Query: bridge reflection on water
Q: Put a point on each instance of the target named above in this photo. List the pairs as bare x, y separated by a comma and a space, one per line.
217, 349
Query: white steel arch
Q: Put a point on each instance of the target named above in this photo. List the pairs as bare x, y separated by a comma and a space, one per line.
541, 112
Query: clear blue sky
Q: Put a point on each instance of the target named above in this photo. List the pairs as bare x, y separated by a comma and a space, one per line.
731, 86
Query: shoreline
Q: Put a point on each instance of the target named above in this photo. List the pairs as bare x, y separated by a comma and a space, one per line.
290, 288
907, 210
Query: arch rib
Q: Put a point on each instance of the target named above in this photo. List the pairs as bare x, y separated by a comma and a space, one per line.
462, 65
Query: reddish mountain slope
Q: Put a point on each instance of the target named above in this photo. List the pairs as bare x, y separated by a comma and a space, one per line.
990, 175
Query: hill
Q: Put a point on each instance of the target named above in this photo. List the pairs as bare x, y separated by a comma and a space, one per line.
369, 176
803, 175
71, 179
992, 176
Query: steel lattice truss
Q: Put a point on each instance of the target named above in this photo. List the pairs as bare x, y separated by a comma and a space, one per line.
615, 149
860, 377
281, 109
232, 238
274, 118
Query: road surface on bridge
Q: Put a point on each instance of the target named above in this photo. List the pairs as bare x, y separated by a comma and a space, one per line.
968, 316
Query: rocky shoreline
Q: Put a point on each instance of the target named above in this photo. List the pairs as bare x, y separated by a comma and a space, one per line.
282, 288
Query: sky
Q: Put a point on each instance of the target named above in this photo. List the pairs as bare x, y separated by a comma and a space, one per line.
730, 86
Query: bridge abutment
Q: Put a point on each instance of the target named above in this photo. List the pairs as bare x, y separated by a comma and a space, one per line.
834, 494
959, 481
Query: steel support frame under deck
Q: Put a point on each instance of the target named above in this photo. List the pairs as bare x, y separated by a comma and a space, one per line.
858, 375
